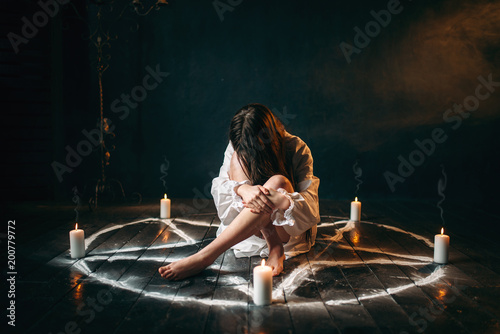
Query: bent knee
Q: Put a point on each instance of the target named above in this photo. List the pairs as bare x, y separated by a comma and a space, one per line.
279, 181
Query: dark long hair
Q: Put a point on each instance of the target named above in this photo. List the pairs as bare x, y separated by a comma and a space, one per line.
258, 137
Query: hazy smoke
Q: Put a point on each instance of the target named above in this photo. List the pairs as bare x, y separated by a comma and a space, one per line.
163, 170
412, 72
357, 174
76, 200
441, 189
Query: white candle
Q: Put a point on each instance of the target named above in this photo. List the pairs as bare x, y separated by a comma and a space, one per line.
165, 207
262, 284
441, 247
356, 210
77, 243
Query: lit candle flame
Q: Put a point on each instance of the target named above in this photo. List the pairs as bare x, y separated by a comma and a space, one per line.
356, 199
165, 196
442, 230
76, 226
263, 263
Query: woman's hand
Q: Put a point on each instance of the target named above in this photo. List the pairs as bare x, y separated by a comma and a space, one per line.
256, 198
280, 201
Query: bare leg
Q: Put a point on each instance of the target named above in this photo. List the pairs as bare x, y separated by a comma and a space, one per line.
242, 227
275, 246
275, 235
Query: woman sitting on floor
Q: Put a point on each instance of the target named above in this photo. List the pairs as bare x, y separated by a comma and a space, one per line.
266, 196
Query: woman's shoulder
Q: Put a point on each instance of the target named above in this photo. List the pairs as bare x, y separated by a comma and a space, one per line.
295, 143
299, 155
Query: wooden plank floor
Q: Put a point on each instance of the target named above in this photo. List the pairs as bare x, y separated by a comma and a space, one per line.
376, 276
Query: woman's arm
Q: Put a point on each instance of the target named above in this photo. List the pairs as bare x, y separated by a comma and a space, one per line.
254, 197
236, 171
303, 213
229, 203
225, 199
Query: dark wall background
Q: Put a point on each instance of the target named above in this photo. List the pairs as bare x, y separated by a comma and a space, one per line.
286, 54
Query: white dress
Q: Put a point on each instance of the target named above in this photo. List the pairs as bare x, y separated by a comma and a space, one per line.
302, 214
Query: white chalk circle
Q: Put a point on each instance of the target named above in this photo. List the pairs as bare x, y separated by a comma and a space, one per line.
292, 281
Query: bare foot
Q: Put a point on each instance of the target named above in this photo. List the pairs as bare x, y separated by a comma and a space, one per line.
181, 269
276, 258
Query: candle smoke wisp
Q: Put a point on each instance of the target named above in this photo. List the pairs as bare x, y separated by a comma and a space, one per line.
441, 188
163, 170
77, 201
358, 172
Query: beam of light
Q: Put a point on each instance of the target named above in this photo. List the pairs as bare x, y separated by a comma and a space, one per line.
159, 259
157, 295
339, 234
350, 263
433, 277
196, 223
297, 278
120, 257
236, 281
330, 217
191, 300
168, 222
121, 250
182, 234
83, 267
376, 250
174, 245
293, 281
300, 274
350, 225
427, 241
133, 249
92, 258
91, 239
